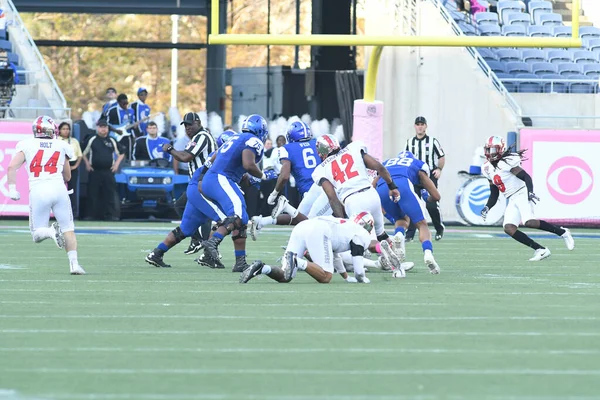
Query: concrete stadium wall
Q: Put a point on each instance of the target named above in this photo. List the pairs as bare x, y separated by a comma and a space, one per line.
558, 106
446, 86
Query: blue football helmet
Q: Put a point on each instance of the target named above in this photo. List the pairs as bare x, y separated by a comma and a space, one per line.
298, 132
256, 125
225, 136
405, 154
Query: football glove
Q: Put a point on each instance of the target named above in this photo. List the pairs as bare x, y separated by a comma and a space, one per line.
254, 181
533, 198
12, 192
424, 194
484, 212
272, 197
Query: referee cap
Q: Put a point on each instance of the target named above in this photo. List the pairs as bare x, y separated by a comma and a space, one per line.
190, 118
420, 120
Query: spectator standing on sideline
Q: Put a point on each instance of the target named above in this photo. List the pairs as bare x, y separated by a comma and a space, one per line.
118, 117
196, 153
140, 111
427, 149
150, 147
102, 158
64, 133
111, 101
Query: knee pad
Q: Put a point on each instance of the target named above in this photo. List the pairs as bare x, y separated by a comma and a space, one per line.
383, 236
178, 233
241, 233
232, 223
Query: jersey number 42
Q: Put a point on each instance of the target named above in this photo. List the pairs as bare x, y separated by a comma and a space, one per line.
340, 175
51, 165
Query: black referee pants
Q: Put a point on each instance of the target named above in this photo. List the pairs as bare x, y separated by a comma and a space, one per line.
204, 231
102, 195
432, 208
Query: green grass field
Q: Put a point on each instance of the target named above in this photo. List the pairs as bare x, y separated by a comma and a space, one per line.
490, 326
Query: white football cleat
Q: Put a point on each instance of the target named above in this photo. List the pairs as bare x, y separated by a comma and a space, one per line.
390, 255
540, 254
398, 246
569, 242
76, 269
434, 268
282, 201
362, 279
384, 264
408, 265
58, 237
254, 226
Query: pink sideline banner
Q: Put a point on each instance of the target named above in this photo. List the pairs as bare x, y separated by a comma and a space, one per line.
10, 134
563, 165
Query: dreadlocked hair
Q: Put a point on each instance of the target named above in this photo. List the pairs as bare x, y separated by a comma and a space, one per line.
510, 151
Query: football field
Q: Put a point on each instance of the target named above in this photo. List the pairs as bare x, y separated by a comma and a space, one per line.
492, 325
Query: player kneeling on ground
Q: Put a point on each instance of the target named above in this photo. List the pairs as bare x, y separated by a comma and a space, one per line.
503, 170
324, 238
45, 157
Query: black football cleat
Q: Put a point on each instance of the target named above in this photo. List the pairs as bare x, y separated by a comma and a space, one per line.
194, 247
206, 260
156, 260
211, 248
252, 271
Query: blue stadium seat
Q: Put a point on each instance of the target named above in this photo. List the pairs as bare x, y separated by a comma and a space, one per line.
458, 16
468, 29
518, 67
450, 4
510, 86
549, 19
593, 45
589, 32
489, 30
2, 34
486, 18
534, 55
539, 31
583, 87
585, 57
507, 6
517, 18
557, 84
559, 56
543, 68
592, 70
22, 76
566, 69
508, 55
487, 54
13, 58
497, 66
514, 30
5, 45
538, 7
561, 31
529, 87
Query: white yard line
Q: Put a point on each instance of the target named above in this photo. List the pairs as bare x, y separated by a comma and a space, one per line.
303, 350
298, 332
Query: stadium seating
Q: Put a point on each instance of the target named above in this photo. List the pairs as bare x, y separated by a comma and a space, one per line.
552, 67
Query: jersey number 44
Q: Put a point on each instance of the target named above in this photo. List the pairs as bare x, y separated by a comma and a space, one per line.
51, 166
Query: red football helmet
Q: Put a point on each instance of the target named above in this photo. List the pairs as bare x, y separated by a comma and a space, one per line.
494, 148
326, 145
364, 219
44, 127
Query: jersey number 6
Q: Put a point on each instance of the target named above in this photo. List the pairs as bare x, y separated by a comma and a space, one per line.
343, 176
51, 166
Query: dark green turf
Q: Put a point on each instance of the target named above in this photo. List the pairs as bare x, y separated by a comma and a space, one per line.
491, 326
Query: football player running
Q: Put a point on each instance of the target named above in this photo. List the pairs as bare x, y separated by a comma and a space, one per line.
298, 158
198, 211
407, 171
503, 170
240, 155
324, 238
45, 158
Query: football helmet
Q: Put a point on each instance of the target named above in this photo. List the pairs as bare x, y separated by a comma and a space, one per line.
298, 132
44, 127
364, 219
256, 125
405, 154
326, 145
224, 137
494, 148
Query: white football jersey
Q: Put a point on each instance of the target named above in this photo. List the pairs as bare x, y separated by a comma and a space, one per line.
343, 232
346, 170
44, 159
505, 181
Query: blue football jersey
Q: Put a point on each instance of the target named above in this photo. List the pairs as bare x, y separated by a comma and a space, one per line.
303, 158
229, 156
406, 167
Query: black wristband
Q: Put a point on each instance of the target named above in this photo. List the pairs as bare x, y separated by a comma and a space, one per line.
392, 186
169, 149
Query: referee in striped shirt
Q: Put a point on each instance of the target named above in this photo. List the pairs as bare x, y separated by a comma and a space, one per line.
428, 150
197, 151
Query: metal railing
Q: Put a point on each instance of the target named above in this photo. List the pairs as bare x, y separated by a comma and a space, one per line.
494, 80
17, 112
16, 21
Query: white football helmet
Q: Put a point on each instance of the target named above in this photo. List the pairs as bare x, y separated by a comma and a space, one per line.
364, 219
44, 127
327, 144
494, 148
